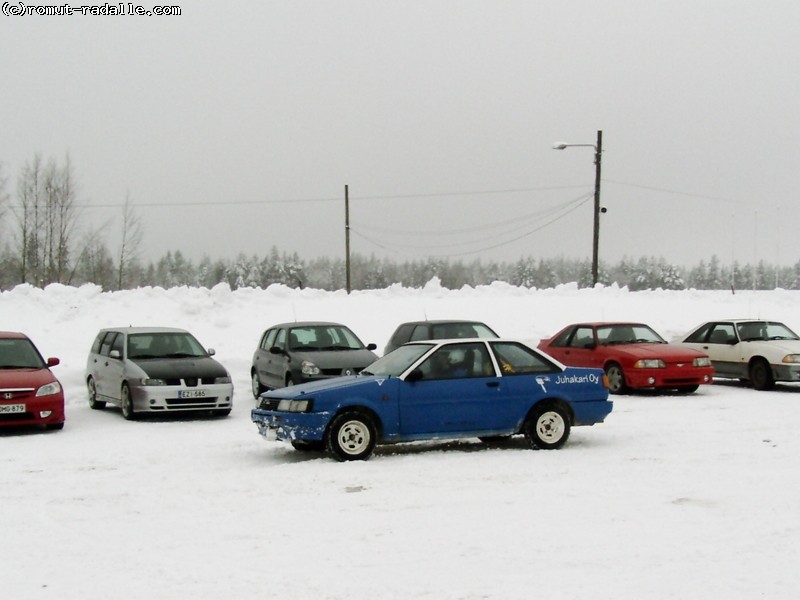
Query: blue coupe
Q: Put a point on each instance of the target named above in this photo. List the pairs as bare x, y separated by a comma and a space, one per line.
488, 389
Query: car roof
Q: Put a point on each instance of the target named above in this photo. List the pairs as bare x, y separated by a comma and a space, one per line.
441, 322
12, 335
305, 324
744, 321
130, 330
606, 323
466, 340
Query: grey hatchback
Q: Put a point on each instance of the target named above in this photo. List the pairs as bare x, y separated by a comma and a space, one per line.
155, 370
292, 353
437, 330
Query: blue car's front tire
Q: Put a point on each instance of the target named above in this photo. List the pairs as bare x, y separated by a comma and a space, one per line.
352, 435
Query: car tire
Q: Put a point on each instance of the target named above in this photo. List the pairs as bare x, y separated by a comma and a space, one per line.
256, 386
616, 379
547, 427
351, 435
54, 426
94, 403
221, 412
688, 389
761, 375
126, 403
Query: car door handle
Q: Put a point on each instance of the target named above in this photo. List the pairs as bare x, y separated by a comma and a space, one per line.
492, 384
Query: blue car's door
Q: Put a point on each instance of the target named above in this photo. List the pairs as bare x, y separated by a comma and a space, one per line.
459, 391
446, 406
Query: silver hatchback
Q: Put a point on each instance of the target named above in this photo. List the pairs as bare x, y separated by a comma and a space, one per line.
155, 370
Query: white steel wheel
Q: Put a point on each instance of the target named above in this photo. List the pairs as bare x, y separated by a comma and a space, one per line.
548, 427
352, 436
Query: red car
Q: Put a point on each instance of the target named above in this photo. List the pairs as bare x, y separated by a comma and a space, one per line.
632, 355
29, 393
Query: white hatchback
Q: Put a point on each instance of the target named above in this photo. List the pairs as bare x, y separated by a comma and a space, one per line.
754, 351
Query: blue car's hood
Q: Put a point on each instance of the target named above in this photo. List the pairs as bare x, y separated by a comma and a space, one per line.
323, 385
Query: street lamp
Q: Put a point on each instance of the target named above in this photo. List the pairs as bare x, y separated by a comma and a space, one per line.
598, 155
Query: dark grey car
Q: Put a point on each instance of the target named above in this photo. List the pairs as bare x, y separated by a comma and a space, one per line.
437, 330
293, 353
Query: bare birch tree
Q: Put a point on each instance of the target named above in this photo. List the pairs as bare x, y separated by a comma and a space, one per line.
130, 242
47, 217
3, 196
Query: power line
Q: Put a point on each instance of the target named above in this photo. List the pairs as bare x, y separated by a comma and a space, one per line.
676, 192
423, 195
439, 232
583, 201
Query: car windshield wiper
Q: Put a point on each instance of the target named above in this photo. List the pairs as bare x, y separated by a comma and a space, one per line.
181, 355
365, 372
19, 367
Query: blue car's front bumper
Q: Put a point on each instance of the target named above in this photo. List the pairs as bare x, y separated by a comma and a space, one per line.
289, 426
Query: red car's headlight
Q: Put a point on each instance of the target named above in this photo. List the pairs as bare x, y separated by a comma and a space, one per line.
649, 363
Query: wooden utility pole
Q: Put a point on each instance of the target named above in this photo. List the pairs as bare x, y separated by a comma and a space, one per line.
347, 236
598, 158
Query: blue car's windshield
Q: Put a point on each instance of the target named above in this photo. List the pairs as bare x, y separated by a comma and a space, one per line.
398, 361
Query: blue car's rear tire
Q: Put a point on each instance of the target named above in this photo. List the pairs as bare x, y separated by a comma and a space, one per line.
547, 427
352, 435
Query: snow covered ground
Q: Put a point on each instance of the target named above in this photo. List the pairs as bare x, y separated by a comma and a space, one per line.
673, 497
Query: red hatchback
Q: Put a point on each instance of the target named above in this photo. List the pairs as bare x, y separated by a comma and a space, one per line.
632, 355
29, 393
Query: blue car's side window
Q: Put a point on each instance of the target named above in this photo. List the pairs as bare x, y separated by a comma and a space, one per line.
516, 359
458, 361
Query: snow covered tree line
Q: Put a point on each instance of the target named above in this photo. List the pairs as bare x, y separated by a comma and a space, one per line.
41, 243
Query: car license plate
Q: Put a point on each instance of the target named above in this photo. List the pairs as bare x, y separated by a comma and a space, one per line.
12, 408
191, 393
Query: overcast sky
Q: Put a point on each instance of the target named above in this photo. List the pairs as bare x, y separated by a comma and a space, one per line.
235, 126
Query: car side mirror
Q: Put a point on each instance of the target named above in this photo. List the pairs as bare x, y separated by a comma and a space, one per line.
415, 375
211, 352
52, 362
275, 350
590, 345
114, 354
372, 346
